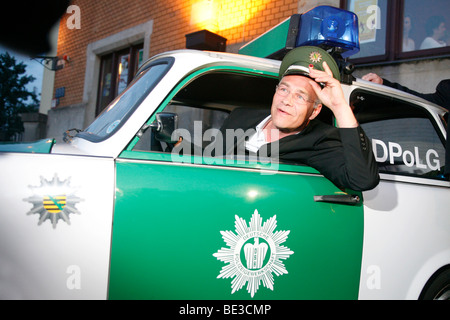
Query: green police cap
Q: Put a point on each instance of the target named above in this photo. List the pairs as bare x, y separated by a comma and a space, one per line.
298, 60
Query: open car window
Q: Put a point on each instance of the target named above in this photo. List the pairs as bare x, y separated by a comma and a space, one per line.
404, 138
205, 103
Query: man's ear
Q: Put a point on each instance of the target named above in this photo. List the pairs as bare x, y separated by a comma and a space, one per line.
315, 112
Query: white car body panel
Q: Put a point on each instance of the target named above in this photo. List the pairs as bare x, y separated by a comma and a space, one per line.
65, 261
406, 239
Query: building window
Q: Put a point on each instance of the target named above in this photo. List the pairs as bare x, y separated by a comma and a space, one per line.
397, 30
372, 16
425, 21
116, 72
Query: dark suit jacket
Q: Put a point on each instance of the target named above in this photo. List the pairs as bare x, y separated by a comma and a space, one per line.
440, 97
344, 155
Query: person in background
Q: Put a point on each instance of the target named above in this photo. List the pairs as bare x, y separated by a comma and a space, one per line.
408, 43
440, 97
435, 28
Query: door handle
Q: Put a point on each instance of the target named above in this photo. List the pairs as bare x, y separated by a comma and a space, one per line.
351, 199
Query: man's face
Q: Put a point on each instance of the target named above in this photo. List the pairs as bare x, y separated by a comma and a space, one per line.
293, 103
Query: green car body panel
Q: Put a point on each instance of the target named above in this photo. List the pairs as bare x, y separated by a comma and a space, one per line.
40, 146
170, 217
165, 238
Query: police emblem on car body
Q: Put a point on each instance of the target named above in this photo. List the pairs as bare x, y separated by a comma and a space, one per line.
254, 253
53, 200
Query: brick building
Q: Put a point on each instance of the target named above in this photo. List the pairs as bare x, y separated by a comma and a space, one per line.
101, 44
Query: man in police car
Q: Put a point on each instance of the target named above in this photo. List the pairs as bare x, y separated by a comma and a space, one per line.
309, 77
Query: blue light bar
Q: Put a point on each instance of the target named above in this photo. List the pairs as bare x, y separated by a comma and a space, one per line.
326, 26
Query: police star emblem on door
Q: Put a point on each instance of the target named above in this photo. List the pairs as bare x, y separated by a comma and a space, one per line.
53, 200
254, 254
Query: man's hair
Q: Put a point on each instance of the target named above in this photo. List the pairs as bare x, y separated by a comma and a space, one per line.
316, 103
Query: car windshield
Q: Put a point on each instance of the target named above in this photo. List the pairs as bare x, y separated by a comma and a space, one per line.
120, 109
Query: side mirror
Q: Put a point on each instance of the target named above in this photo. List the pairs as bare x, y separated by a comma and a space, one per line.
164, 126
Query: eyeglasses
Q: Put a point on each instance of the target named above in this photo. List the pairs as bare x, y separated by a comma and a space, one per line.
299, 98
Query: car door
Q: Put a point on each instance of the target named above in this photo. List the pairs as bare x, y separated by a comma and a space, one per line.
192, 227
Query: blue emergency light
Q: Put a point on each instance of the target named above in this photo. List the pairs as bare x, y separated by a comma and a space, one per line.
329, 27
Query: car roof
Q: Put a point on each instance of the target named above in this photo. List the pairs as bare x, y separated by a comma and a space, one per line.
431, 107
271, 65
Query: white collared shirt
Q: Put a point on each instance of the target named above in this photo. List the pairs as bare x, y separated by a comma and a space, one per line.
257, 140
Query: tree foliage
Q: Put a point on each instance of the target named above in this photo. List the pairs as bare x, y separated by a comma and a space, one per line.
14, 96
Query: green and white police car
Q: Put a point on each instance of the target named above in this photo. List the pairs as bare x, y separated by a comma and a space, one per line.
112, 214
